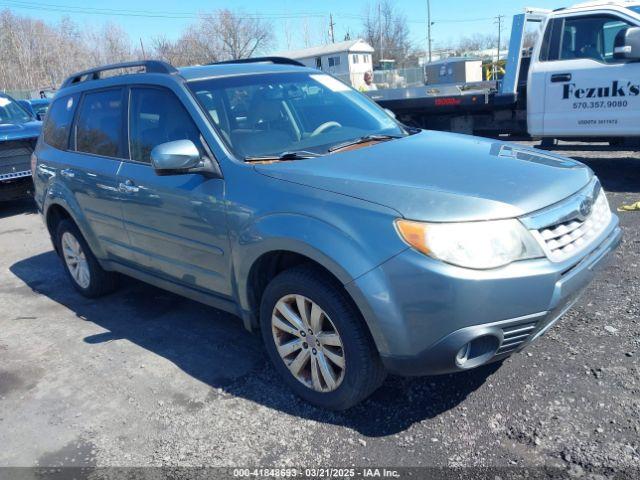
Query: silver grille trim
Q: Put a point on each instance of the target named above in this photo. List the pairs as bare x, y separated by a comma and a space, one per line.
515, 336
14, 175
570, 227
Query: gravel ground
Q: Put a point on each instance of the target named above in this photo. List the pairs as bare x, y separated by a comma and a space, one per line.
143, 377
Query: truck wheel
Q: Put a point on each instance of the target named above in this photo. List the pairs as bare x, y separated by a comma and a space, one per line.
548, 142
317, 339
86, 274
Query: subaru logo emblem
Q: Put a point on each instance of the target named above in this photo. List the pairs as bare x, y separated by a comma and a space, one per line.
585, 208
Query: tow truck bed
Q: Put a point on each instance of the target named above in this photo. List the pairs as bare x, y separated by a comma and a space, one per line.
481, 108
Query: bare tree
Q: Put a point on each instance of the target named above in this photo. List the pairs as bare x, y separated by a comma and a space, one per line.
288, 33
109, 44
306, 34
236, 36
35, 54
387, 31
530, 38
476, 43
222, 35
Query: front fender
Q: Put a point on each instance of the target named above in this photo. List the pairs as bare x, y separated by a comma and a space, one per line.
347, 255
313, 238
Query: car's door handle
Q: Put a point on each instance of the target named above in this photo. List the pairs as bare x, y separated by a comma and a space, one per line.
561, 77
67, 173
128, 187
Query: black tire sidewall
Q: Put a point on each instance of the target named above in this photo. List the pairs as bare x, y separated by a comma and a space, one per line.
66, 226
347, 322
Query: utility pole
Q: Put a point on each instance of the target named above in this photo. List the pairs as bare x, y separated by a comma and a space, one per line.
381, 39
429, 28
144, 57
499, 20
331, 32
496, 66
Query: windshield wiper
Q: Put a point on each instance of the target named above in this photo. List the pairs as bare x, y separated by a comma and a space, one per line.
293, 155
366, 139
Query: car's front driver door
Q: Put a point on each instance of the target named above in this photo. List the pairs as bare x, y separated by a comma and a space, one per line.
589, 92
176, 223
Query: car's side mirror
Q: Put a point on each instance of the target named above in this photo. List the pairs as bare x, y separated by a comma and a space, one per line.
627, 44
179, 157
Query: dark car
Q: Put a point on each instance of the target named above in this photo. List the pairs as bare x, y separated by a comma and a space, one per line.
37, 107
40, 107
19, 132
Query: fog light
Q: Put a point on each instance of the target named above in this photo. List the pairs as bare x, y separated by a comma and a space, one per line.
463, 354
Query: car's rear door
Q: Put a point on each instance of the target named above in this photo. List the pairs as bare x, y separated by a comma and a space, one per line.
86, 162
176, 223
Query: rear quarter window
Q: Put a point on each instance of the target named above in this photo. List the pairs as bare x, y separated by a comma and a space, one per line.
58, 122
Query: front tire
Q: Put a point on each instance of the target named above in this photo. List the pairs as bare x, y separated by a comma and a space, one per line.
81, 265
317, 339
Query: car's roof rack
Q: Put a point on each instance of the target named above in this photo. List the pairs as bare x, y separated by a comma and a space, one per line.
150, 66
274, 60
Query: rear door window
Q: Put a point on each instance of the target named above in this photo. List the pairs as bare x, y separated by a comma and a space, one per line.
99, 125
58, 123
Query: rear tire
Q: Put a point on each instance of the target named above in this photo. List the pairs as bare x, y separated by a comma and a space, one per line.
81, 265
340, 338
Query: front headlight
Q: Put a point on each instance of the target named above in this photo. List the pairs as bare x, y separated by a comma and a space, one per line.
479, 245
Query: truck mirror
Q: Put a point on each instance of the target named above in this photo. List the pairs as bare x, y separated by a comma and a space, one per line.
627, 44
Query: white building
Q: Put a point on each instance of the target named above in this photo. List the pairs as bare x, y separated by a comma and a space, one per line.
348, 60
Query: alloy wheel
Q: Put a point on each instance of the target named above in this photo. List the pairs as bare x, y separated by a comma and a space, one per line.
75, 260
308, 343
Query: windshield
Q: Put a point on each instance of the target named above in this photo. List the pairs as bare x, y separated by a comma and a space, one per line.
270, 114
635, 8
11, 112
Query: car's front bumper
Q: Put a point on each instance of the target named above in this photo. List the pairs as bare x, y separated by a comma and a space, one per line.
15, 168
421, 311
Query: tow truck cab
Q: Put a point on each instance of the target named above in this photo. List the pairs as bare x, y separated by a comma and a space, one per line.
584, 75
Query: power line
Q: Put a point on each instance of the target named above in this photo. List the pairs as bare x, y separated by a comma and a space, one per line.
146, 13
62, 8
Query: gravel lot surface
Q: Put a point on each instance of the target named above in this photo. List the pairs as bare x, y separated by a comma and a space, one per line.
144, 377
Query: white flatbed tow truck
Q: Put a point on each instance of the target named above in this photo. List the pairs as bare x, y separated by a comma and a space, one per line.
581, 80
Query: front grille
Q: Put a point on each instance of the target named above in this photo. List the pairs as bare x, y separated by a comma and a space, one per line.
571, 236
14, 151
15, 158
570, 227
514, 336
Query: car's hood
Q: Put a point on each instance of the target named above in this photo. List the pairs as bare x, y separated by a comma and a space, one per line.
17, 131
437, 176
